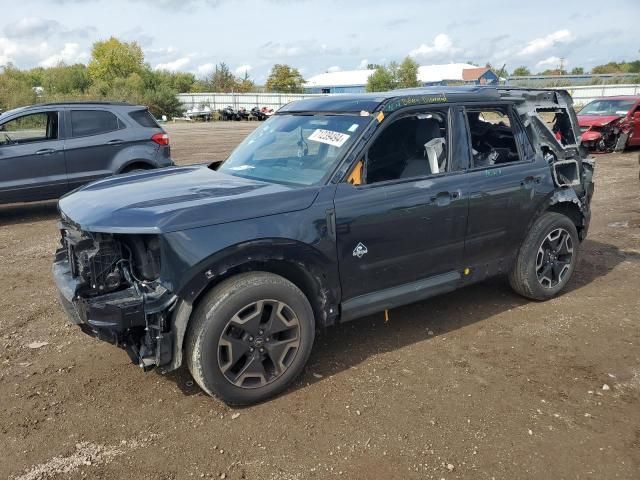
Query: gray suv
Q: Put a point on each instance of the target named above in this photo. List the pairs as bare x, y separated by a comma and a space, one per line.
48, 150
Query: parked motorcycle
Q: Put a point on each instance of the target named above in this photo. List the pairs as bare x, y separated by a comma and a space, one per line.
228, 114
243, 114
258, 114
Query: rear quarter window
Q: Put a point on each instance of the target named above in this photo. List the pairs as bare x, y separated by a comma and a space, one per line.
93, 122
144, 118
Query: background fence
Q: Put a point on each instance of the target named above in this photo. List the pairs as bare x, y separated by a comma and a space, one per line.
581, 94
218, 101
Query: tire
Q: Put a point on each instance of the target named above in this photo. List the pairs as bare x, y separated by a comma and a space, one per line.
546, 260
238, 349
137, 167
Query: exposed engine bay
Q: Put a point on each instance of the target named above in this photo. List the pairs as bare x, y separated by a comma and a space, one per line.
116, 292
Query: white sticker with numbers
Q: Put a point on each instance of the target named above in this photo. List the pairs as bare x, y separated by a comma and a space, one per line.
329, 137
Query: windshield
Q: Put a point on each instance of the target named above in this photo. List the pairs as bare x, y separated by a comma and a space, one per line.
295, 149
607, 107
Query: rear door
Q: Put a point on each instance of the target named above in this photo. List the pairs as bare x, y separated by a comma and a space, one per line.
508, 182
32, 161
96, 136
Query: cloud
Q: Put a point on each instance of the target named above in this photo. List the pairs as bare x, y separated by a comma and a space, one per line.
69, 54
334, 68
175, 65
363, 64
205, 69
442, 48
552, 61
243, 69
306, 48
32, 27
538, 45
280, 50
161, 52
36, 27
12, 51
396, 22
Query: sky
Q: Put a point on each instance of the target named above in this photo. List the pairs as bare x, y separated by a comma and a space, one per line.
317, 36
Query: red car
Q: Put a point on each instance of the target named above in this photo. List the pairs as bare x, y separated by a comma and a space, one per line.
611, 123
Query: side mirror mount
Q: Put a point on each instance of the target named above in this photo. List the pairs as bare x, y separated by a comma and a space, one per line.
216, 164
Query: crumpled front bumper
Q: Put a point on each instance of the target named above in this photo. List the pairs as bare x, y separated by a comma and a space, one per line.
119, 317
591, 136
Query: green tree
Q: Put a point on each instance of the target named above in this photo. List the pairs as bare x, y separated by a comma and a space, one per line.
16, 88
284, 78
64, 79
634, 67
553, 71
611, 67
244, 84
381, 80
521, 71
407, 74
182, 82
111, 59
221, 79
163, 101
577, 71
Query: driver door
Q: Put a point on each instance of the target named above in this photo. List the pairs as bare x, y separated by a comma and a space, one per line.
400, 233
32, 158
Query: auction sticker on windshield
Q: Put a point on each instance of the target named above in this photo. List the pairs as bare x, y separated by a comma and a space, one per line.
329, 137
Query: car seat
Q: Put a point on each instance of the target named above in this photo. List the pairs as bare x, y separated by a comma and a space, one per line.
428, 150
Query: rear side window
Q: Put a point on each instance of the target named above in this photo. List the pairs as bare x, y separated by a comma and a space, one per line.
144, 118
93, 122
492, 136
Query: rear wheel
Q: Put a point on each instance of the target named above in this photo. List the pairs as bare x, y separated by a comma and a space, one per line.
547, 257
136, 167
250, 337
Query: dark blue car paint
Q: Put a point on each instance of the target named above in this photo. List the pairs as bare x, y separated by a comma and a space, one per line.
423, 236
175, 199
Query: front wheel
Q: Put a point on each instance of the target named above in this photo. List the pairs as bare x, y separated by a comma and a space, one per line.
547, 258
250, 337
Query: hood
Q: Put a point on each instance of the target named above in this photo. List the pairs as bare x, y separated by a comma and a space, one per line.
596, 120
172, 199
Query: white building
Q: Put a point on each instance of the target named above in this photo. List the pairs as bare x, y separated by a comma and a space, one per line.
355, 81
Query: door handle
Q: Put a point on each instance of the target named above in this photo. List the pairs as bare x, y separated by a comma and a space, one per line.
444, 198
45, 151
528, 180
114, 142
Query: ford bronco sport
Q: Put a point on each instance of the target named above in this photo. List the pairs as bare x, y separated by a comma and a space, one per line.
335, 208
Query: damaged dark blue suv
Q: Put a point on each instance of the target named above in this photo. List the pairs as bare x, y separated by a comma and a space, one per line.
337, 207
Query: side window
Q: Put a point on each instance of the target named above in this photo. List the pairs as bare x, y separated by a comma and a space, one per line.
36, 127
93, 122
144, 118
415, 145
492, 136
558, 121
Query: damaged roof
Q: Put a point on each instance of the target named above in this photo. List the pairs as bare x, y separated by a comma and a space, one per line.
369, 102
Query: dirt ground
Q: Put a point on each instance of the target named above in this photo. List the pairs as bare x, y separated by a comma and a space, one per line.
475, 384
